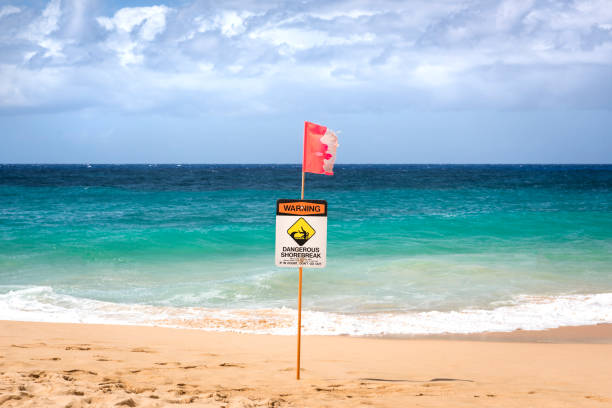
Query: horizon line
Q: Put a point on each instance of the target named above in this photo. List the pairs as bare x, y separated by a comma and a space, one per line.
299, 164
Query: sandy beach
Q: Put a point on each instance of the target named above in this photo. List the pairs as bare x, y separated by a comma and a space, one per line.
415, 196
75, 365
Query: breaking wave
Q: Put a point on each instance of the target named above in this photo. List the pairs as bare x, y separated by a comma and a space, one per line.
43, 304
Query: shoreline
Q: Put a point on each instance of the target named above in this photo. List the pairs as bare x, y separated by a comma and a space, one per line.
82, 365
600, 333
42, 303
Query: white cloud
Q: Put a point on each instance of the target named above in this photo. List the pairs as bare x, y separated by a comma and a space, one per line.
351, 13
8, 10
510, 11
48, 21
21, 87
77, 17
435, 75
229, 22
448, 52
303, 39
28, 56
133, 28
40, 30
126, 19
579, 15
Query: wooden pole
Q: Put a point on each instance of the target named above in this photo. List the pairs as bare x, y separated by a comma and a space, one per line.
299, 333
303, 175
299, 322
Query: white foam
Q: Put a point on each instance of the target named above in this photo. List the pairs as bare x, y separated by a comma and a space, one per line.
43, 304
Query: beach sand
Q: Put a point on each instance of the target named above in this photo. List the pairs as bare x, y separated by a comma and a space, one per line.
77, 365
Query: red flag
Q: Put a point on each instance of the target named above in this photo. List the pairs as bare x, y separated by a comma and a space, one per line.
320, 144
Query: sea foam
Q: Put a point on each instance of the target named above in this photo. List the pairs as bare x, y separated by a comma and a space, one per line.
43, 304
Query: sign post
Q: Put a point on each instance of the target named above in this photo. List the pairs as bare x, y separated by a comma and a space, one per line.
301, 241
301, 225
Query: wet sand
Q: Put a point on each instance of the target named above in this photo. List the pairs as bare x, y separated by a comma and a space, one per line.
76, 365
600, 333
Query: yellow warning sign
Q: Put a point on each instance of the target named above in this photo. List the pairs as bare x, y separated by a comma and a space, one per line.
301, 231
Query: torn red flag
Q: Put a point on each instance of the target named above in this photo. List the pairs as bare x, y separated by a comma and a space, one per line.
320, 144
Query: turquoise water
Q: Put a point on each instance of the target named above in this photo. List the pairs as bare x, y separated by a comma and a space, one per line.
411, 249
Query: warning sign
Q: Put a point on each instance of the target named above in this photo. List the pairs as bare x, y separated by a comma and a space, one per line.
301, 233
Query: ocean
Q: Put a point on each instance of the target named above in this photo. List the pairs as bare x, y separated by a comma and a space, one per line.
412, 249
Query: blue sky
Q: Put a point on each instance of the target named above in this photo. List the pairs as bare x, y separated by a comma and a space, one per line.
520, 81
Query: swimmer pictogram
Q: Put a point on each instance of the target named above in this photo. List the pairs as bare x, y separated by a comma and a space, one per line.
301, 231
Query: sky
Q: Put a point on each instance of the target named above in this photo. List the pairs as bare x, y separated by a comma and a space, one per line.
514, 81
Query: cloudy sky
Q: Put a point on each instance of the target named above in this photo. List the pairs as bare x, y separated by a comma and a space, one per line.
517, 81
